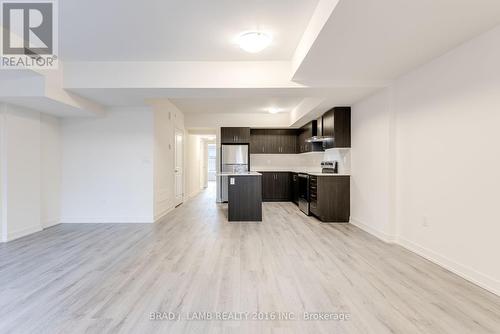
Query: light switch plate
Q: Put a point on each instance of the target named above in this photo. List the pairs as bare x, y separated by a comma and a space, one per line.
231, 180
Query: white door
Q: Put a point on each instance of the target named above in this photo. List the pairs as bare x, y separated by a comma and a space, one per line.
179, 184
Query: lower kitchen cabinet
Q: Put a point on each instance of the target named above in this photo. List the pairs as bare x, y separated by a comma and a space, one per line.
276, 186
245, 198
330, 198
295, 188
329, 195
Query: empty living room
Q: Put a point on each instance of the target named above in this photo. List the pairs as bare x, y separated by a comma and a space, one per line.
278, 166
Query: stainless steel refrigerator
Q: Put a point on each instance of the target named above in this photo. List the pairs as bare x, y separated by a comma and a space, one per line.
234, 159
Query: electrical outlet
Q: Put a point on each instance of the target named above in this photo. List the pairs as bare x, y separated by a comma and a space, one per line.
425, 221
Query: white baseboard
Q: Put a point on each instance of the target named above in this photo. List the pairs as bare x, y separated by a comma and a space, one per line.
194, 193
51, 223
375, 232
480, 279
167, 211
471, 275
163, 214
23, 232
107, 220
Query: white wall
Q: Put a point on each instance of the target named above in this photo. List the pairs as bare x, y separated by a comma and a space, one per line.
305, 162
107, 166
167, 118
20, 168
197, 163
288, 162
194, 165
445, 163
371, 185
50, 169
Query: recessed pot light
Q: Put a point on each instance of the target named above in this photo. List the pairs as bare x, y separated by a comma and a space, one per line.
274, 110
254, 41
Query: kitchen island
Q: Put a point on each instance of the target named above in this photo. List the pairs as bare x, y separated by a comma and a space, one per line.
244, 196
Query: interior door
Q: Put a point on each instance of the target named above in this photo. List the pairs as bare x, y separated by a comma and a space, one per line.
178, 167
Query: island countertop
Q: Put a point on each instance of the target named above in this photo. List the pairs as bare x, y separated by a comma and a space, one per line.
309, 171
240, 174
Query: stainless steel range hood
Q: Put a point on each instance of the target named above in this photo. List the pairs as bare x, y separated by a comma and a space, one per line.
317, 136
319, 139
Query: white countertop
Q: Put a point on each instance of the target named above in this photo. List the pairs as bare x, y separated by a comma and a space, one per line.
240, 174
304, 170
310, 171
327, 174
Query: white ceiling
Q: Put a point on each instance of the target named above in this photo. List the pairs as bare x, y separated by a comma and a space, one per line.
367, 40
236, 105
216, 100
363, 45
178, 30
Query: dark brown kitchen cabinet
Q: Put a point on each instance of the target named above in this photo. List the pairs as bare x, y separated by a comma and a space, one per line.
295, 188
330, 198
286, 141
257, 141
273, 141
337, 124
307, 131
276, 186
235, 135
245, 198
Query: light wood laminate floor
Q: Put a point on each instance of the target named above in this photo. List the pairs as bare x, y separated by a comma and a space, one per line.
108, 278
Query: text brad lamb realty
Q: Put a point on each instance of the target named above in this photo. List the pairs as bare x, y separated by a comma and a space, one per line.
249, 316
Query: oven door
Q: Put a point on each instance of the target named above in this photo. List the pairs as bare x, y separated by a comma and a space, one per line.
304, 193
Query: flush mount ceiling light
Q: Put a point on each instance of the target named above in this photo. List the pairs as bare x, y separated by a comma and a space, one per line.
254, 41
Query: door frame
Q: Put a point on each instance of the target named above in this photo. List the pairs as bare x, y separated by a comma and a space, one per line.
178, 201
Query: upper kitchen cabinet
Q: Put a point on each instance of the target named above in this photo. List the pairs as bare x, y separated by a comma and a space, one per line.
286, 140
307, 131
235, 135
273, 141
337, 124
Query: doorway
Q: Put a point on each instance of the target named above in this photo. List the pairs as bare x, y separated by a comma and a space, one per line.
212, 163
178, 167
